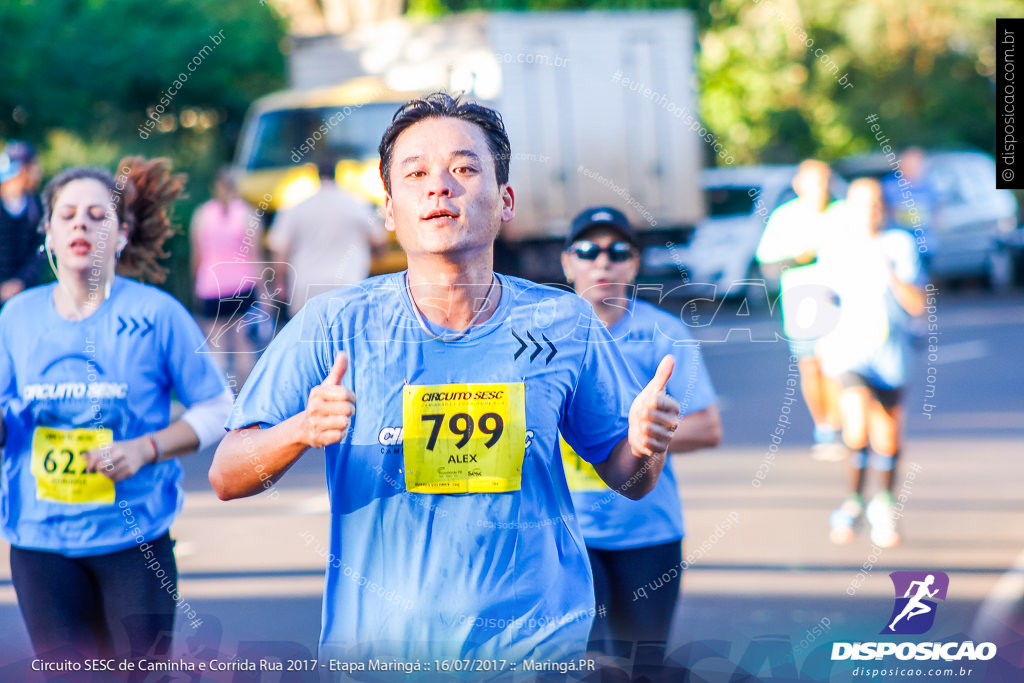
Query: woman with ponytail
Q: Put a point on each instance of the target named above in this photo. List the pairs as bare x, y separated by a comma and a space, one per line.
90, 480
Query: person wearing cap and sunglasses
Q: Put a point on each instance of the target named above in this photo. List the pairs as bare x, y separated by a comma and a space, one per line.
632, 543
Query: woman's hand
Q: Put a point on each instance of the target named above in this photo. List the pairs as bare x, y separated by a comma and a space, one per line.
121, 459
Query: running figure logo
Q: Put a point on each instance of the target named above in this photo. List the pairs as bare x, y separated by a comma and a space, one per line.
914, 612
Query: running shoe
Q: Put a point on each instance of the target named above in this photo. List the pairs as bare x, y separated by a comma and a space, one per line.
881, 516
845, 520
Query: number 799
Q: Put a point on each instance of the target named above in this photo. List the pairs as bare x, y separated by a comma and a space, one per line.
461, 424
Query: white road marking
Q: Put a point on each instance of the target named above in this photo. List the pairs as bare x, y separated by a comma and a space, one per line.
961, 351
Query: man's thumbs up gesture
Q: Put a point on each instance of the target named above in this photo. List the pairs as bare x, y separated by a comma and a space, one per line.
330, 407
654, 415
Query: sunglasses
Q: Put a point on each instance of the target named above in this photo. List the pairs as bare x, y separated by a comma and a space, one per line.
618, 252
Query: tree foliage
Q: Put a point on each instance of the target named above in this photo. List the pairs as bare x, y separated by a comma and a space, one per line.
98, 67
770, 70
81, 76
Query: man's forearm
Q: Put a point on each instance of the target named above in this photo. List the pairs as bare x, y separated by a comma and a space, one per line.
249, 460
632, 476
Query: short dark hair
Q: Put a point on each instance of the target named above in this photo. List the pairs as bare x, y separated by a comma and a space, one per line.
443, 105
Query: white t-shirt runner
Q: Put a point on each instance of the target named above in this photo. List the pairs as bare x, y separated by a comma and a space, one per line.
327, 238
794, 229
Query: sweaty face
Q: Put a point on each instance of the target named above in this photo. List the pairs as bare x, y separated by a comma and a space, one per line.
83, 230
601, 278
445, 199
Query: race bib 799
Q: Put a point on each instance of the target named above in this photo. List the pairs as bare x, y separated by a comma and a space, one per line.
464, 438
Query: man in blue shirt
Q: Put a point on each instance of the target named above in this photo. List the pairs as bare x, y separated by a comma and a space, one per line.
911, 201
453, 532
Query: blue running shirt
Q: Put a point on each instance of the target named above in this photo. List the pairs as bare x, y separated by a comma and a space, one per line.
63, 382
425, 575
645, 334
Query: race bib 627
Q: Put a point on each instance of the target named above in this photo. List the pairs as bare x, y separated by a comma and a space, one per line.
58, 464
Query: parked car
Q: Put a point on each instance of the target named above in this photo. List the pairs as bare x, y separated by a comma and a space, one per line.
719, 254
974, 226
1013, 244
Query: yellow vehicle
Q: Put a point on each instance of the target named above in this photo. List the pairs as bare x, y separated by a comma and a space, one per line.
287, 135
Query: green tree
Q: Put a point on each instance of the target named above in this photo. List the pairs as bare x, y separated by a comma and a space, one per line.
80, 78
771, 74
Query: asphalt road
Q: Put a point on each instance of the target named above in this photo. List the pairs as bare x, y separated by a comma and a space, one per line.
765, 593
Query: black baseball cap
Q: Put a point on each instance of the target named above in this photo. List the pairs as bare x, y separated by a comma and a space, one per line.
603, 217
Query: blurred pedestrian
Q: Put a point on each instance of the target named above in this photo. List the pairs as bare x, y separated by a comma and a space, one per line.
790, 242
90, 475
227, 247
20, 212
632, 544
911, 200
879, 281
327, 239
